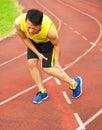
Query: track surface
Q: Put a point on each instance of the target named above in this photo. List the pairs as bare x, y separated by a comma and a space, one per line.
80, 28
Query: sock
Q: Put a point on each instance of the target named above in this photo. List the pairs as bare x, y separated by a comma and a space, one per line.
43, 91
73, 87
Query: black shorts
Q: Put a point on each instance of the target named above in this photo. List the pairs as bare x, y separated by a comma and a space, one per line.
46, 49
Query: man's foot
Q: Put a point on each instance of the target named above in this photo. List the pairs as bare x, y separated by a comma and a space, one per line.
78, 91
40, 97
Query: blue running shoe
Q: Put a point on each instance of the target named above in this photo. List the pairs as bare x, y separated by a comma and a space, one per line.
78, 91
40, 97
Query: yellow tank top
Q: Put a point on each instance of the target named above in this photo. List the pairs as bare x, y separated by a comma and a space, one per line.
41, 37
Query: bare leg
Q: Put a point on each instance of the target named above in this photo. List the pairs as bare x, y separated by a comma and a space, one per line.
60, 74
35, 73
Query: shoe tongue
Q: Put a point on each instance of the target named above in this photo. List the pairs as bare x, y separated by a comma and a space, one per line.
72, 89
38, 93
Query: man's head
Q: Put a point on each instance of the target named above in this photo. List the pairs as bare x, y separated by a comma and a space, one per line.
34, 16
33, 21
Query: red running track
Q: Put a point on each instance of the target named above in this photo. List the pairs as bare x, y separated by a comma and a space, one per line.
80, 28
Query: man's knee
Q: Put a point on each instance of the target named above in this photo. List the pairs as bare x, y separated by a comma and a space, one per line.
47, 70
32, 63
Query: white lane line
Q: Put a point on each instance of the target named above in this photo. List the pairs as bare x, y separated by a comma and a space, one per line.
84, 38
66, 97
22, 92
77, 33
26, 90
93, 117
89, 120
18, 94
81, 124
70, 28
91, 43
15, 58
57, 81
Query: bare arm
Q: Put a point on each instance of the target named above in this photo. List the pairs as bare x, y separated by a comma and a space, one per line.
27, 42
55, 41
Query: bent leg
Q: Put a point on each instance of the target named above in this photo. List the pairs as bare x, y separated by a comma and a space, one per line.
60, 74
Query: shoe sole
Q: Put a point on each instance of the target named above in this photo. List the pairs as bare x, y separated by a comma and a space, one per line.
40, 101
81, 87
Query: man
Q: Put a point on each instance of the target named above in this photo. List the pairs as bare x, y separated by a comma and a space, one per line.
39, 34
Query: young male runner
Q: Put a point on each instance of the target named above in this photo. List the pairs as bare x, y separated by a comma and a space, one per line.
39, 34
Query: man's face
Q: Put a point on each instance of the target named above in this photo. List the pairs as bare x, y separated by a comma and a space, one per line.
32, 29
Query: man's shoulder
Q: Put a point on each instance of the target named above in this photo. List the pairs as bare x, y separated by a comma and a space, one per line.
46, 18
19, 18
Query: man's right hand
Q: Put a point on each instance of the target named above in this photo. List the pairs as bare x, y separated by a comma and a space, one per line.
41, 57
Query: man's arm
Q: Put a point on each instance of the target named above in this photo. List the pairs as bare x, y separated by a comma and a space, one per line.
55, 41
22, 35
27, 42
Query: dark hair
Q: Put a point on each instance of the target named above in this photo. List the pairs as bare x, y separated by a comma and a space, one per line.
34, 16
